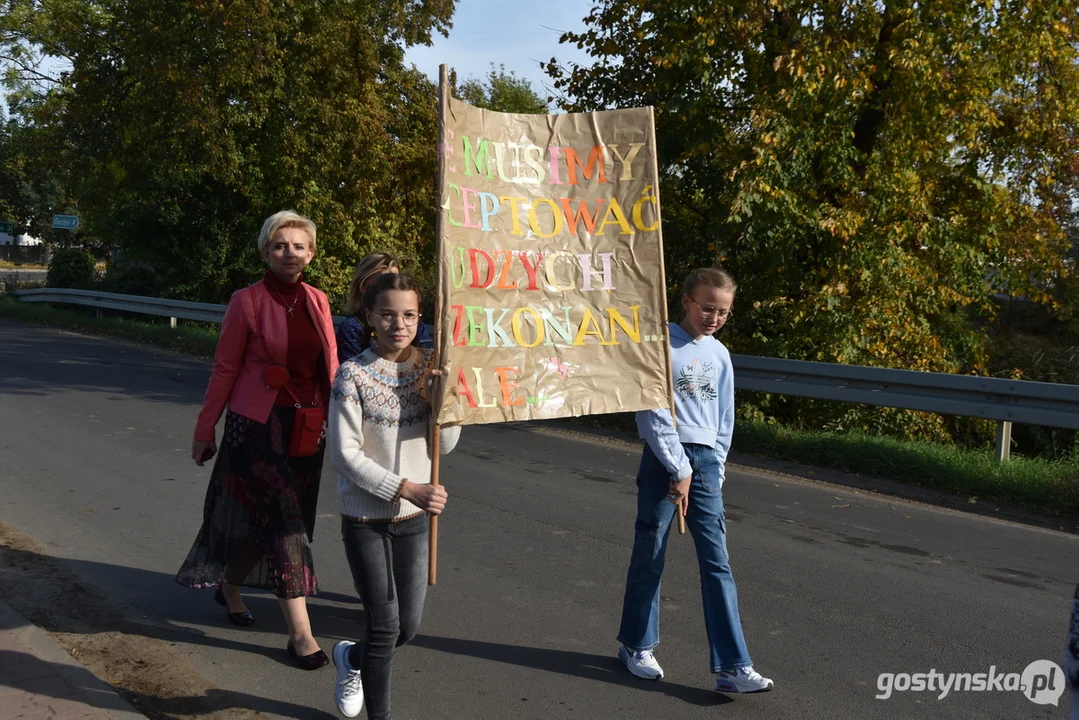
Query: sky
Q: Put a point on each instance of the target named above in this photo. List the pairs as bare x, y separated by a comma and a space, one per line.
505, 32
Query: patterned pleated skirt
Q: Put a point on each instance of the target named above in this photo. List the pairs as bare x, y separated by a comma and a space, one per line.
259, 514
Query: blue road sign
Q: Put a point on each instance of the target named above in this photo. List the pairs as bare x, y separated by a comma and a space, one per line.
65, 222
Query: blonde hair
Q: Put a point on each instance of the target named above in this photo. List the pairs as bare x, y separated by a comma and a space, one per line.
368, 267
708, 276
285, 219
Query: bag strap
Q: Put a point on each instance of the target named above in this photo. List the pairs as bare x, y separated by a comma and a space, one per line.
255, 304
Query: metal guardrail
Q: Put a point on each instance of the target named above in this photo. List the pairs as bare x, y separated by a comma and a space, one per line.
1006, 401
206, 312
1022, 401
172, 309
1003, 400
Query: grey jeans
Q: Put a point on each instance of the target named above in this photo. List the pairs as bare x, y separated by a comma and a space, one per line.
389, 568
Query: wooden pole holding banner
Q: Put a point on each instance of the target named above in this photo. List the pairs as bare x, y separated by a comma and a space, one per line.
678, 507
432, 550
663, 274
436, 388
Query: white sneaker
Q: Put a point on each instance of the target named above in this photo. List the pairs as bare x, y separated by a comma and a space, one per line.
349, 689
743, 680
641, 663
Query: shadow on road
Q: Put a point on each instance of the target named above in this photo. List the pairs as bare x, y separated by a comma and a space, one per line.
46, 361
600, 668
83, 682
135, 653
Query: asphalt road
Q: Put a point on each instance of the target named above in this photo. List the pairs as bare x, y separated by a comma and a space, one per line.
835, 587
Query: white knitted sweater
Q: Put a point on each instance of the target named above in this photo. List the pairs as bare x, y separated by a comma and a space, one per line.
378, 430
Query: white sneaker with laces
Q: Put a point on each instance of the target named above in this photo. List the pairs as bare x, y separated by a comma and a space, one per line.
641, 663
348, 691
742, 680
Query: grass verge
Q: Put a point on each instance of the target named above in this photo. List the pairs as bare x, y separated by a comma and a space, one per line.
8, 265
192, 338
1046, 486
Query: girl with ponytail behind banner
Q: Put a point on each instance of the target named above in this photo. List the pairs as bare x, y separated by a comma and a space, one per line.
353, 334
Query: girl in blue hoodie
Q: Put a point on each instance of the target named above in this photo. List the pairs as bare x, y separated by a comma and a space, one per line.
682, 471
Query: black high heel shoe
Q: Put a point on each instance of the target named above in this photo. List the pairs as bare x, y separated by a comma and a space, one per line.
243, 619
314, 661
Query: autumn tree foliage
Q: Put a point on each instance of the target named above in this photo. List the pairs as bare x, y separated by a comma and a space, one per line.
872, 172
185, 124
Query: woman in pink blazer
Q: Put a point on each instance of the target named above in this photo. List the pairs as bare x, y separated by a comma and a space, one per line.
276, 353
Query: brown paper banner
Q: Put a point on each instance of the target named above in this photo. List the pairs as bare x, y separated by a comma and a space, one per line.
551, 285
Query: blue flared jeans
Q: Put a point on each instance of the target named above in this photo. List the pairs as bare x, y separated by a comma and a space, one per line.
705, 520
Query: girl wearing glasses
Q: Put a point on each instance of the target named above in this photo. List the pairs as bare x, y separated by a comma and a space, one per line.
682, 471
379, 425
354, 335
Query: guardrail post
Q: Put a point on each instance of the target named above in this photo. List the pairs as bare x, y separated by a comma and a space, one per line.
172, 323
99, 313
1004, 440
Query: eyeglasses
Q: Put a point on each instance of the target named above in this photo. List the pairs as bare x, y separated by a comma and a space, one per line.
721, 315
387, 318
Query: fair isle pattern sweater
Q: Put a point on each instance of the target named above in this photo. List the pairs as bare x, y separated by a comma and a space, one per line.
379, 425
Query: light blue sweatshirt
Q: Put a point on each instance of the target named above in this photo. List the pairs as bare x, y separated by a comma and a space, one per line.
703, 403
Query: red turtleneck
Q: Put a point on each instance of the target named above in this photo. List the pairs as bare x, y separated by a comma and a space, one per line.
304, 345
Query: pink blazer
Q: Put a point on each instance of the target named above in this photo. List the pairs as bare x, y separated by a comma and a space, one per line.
241, 356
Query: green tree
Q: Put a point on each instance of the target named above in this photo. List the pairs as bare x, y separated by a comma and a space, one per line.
185, 126
33, 71
869, 171
502, 91
30, 191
